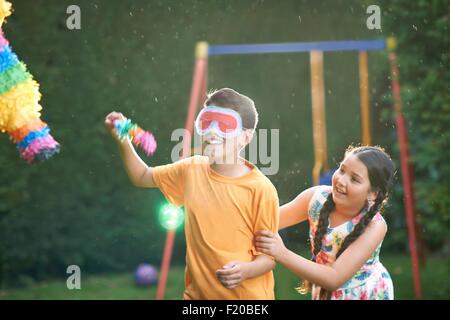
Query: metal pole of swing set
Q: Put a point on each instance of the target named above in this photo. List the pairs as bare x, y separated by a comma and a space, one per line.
198, 91
408, 196
318, 112
364, 98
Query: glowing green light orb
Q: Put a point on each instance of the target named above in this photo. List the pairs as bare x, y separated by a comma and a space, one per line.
170, 217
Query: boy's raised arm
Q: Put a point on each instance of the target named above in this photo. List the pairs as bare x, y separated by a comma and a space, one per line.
139, 173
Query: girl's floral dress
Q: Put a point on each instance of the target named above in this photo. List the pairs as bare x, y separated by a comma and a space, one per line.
372, 281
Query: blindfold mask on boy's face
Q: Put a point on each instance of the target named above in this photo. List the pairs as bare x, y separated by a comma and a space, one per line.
224, 122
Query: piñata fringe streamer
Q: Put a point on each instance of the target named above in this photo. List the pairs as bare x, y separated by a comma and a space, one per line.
140, 138
19, 103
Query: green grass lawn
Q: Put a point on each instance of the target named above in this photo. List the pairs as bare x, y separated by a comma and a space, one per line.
106, 286
435, 284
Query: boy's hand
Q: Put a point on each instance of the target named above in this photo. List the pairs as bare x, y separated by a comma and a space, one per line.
232, 274
269, 243
109, 123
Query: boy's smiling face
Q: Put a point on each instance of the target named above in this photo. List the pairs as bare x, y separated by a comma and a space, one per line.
223, 135
224, 151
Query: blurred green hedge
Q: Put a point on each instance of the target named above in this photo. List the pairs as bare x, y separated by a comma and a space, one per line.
421, 29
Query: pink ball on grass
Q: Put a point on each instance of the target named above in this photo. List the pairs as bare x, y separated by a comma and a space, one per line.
146, 275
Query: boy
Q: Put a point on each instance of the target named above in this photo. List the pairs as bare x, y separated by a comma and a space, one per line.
226, 199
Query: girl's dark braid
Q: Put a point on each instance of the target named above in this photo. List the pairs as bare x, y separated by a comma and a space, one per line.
322, 225
363, 223
321, 229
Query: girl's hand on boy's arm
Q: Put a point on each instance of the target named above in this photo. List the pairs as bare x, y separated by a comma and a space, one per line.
331, 276
270, 244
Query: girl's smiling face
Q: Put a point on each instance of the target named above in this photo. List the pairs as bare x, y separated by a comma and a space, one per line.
351, 185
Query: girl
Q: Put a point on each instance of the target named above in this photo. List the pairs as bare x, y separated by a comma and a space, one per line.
346, 230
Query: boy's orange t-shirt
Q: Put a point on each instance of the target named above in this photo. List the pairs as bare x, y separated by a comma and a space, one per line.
222, 215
